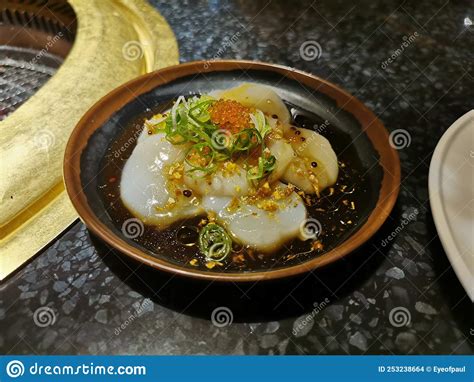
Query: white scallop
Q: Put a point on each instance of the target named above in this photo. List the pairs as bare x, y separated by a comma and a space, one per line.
219, 183
144, 188
284, 154
257, 228
315, 148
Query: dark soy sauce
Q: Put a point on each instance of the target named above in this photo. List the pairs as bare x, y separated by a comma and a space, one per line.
336, 209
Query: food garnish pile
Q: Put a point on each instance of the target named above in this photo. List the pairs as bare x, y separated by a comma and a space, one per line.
233, 158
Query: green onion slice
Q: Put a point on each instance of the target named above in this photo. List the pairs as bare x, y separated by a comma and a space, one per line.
189, 123
263, 168
209, 157
214, 242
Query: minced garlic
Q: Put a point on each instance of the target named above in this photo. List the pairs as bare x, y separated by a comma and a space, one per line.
229, 168
176, 171
211, 216
233, 205
268, 205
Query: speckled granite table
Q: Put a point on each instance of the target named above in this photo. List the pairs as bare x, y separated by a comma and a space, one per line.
413, 65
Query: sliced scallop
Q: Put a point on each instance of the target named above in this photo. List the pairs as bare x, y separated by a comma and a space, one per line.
257, 228
284, 154
221, 183
146, 191
314, 157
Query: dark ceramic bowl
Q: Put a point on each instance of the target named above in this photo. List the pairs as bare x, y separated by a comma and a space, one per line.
357, 135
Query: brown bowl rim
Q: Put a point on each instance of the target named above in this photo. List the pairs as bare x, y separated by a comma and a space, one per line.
120, 96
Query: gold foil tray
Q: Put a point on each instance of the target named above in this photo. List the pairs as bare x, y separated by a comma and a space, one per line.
115, 41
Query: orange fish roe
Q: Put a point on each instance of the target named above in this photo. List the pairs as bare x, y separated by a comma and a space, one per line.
230, 115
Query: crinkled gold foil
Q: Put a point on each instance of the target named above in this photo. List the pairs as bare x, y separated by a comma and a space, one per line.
116, 40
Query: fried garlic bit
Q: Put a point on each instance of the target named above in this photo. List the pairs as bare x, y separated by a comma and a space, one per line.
211, 264
268, 205
229, 168
211, 216
317, 245
176, 171
230, 115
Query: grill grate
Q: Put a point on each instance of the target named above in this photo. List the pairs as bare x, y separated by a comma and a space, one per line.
35, 37
22, 72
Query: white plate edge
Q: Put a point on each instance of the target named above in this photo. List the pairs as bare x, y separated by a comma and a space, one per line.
444, 233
